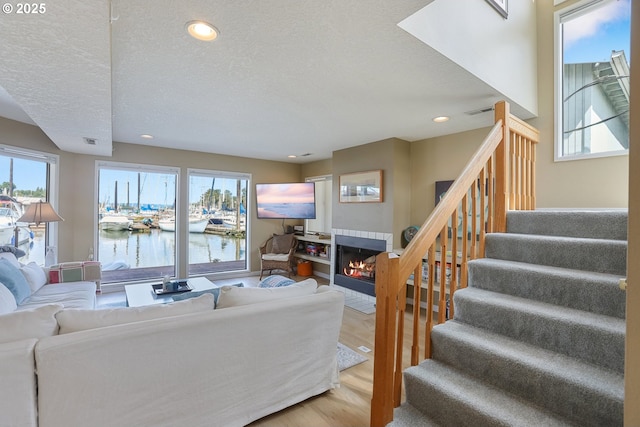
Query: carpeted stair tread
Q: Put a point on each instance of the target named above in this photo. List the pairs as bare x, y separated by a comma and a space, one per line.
603, 256
408, 416
588, 223
594, 338
583, 290
450, 398
574, 389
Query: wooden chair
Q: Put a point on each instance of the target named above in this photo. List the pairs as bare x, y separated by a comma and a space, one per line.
277, 253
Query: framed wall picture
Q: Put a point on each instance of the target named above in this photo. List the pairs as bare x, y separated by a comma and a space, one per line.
501, 6
361, 187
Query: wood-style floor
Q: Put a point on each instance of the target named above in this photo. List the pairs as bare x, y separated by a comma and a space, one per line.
346, 406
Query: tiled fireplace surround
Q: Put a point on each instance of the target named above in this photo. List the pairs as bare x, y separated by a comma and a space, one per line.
357, 300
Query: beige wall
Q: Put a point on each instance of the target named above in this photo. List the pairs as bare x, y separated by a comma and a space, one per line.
390, 216
632, 356
438, 159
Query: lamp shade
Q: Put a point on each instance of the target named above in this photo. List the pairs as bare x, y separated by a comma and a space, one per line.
40, 212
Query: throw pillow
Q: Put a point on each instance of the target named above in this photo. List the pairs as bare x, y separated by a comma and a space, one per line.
72, 320
281, 243
193, 294
35, 323
232, 296
35, 275
11, 258
14, 280
7, 300
17, 252
275, 281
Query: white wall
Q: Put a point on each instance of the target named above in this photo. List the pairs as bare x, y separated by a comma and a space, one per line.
472, 34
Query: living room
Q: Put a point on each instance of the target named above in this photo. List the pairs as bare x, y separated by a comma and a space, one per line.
411, 167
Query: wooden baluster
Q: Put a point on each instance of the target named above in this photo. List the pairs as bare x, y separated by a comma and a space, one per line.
442, 296
513, 180
501, 113
417, 285
483, 201
431, 259
533, 175
453, 284
465, 239
397, 381
474, 220
490, 199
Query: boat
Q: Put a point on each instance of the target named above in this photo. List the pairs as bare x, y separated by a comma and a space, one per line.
10, 212
115, 223
197, 224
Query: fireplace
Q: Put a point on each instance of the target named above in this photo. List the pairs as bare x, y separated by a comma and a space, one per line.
355, 262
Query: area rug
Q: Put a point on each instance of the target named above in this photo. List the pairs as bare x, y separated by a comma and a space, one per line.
348, 358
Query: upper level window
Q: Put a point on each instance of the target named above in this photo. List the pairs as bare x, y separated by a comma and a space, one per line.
592, 69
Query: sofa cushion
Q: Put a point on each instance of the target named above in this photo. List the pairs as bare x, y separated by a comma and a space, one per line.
11, 258
35, 275
7, 300
78, 320
275, 281
14, 280
70, 295
193, 294
232, 296
35, 323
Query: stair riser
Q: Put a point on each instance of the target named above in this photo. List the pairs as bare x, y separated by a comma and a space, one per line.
595, 345
579, 254
579, 291
587, 224
545, 388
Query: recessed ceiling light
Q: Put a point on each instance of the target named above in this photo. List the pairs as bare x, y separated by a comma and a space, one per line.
146, 136
292, 156
440, 119
202, 30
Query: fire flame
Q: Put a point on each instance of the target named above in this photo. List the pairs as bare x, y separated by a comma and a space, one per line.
360, 269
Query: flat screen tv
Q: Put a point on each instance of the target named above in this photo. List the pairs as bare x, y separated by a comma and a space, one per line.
296, 200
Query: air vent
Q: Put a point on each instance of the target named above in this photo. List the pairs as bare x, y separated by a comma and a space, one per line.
306, 154
479, 111
90, 141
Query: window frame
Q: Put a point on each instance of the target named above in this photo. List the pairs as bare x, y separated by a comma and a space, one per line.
560, 16
52, 190
133, 167
224, 175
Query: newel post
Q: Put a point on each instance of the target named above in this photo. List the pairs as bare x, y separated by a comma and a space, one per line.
383, 362
501, 173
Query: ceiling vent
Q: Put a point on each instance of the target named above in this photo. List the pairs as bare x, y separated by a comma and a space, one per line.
479, 111
90, 141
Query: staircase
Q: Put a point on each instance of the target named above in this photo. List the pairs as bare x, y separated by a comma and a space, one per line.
538, 334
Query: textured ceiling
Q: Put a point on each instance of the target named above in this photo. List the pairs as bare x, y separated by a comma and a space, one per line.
284, 77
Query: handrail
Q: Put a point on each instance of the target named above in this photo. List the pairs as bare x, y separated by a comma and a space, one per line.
502, 171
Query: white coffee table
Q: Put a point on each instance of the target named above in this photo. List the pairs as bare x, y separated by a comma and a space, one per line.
142, 294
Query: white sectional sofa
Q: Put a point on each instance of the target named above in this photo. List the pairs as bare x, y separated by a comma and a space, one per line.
183, 363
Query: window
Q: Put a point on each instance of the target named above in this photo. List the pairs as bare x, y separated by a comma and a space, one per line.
592, 86
217, 221
136, 219
25, 177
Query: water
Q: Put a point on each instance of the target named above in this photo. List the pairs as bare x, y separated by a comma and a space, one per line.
157, 248
149, 249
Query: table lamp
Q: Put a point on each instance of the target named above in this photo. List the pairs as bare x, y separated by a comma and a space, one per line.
38, 213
